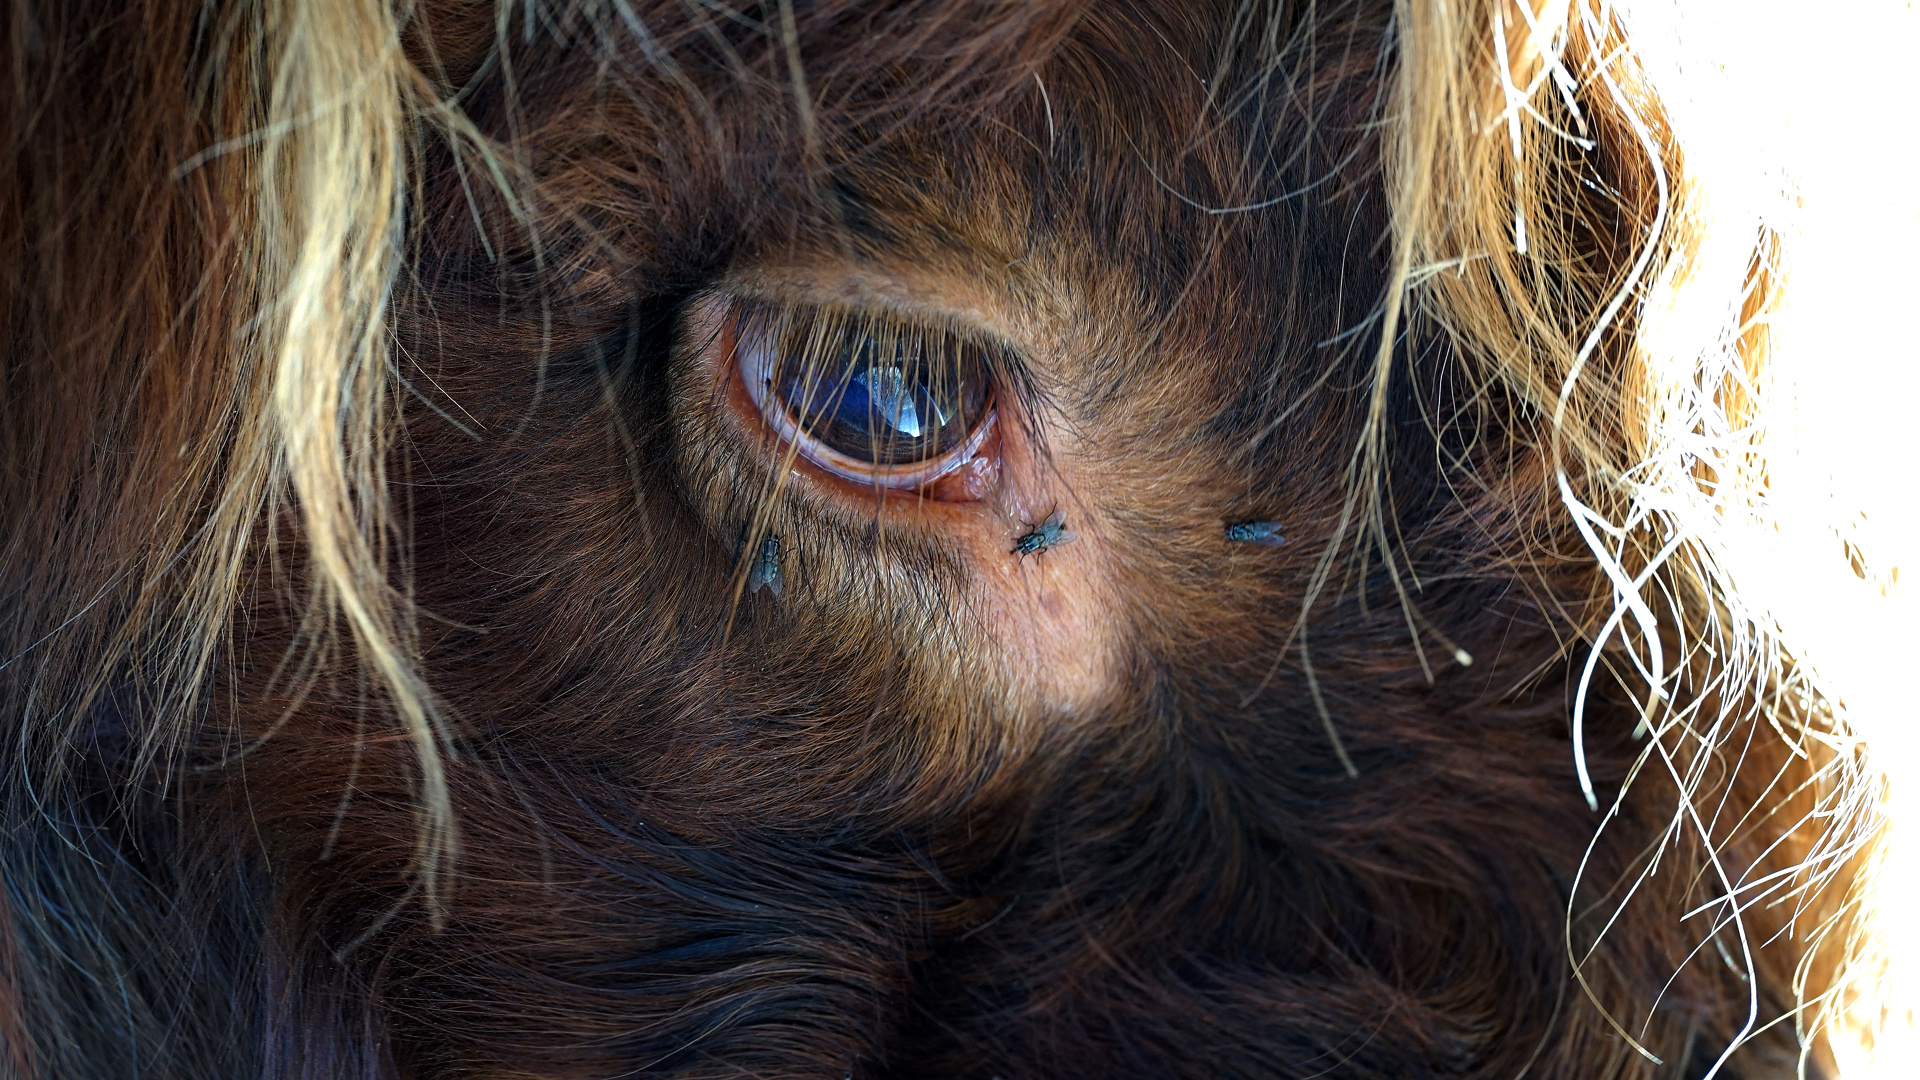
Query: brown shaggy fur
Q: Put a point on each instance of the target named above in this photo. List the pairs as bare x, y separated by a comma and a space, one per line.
703, 834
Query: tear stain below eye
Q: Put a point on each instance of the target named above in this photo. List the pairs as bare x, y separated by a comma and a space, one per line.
974, 480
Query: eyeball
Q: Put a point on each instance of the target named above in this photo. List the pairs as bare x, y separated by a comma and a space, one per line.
866, 398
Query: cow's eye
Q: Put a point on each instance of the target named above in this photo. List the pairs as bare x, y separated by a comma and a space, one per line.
869, 398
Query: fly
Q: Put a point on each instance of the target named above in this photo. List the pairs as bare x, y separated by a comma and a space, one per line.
1264, 533
766, 568
1050, 533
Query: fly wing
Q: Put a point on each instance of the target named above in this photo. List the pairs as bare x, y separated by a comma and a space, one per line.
765, 575
1264, 533
1064, 536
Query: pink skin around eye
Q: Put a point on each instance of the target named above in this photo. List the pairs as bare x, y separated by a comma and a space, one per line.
1050, 621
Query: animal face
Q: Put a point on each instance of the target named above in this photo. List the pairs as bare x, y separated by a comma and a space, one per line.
757, 368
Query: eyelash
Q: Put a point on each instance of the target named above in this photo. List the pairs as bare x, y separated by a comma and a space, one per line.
816, 373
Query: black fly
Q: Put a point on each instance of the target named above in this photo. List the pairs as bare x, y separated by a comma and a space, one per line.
766, 568
1264, 533
1050, 533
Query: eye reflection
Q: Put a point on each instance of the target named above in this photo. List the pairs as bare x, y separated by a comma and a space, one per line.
869, 398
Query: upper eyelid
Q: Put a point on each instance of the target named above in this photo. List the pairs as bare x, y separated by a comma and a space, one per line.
1007, 363
884, 298
862, 316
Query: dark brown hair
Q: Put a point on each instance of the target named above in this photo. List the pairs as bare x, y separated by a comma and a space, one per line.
382, 698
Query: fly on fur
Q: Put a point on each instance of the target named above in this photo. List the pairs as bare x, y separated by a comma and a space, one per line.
766, 568
1264, 533
1049, 534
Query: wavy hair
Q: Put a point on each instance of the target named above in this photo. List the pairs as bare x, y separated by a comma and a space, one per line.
199, 258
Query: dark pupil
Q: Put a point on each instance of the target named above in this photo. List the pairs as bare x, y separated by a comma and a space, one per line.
886, 402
